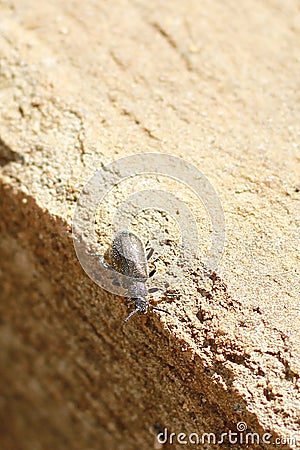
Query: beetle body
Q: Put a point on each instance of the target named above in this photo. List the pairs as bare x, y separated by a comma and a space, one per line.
128, 256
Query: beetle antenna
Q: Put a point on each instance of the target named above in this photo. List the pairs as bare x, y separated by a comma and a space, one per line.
161, 310
131, 314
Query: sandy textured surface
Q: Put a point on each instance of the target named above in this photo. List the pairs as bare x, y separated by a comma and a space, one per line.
83, 84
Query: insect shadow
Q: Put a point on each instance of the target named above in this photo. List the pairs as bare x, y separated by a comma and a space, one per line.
127, 255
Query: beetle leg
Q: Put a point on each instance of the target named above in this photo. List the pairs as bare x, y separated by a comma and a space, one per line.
152, 273
150, 253
154, 289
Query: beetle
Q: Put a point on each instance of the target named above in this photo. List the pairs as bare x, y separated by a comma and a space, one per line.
127, 256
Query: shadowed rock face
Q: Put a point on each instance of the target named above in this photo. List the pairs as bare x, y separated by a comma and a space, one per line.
216, 85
